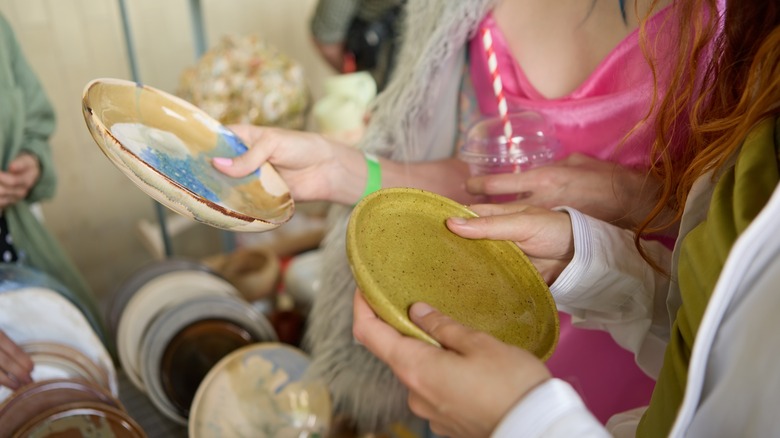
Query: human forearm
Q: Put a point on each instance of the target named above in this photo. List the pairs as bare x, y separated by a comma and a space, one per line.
445, 177
317, 168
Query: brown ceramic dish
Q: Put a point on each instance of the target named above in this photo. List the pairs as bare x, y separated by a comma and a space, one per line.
81, 419
165, 145
160, 293
241, 324
192, 352
28, 402
70, 360
401, 252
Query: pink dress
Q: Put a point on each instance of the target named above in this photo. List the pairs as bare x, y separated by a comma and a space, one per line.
593, 120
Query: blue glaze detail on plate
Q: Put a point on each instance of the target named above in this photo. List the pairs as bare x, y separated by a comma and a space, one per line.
167, 153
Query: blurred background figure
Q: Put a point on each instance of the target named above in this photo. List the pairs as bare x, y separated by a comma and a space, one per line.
358, 35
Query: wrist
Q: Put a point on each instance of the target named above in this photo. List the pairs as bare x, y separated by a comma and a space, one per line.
373, 174
350, 172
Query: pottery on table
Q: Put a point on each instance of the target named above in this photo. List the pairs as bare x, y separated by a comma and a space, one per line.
38, 315
254, 271
165, 145
401, 252
185, 341
15, 276
31, 400
152, 299
81, 419
128, 287
302, 279
55, 359
260, 390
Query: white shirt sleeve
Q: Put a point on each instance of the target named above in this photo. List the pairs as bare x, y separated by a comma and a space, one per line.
609, 286
553, 409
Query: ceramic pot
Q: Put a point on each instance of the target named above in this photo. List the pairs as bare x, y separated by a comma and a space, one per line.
254, 271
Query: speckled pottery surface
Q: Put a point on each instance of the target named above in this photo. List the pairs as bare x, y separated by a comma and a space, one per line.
165, 145
401, 252
258, 391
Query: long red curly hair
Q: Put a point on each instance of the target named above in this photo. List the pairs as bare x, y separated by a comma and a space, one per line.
740, 87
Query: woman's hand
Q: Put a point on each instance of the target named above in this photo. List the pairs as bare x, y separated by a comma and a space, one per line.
21, 176
463, 389
601, 189
544, 235
15, 364
313, 167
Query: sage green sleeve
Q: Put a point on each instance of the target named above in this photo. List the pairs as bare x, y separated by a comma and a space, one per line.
38, 115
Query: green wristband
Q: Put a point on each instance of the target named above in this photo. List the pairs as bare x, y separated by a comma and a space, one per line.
373, 174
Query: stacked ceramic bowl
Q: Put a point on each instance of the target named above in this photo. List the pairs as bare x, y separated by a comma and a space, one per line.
66, 407
74, 381
177, 320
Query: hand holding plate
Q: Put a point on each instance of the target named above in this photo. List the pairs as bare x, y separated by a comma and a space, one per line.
463, 389
300, 158
545, 236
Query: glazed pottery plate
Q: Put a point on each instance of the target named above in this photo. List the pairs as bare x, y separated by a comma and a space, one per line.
401, 252
260, 390
42, 315
29, 401
132, 284
165, 146
81, 419
15, 276
69, 361
172, 321
151, 300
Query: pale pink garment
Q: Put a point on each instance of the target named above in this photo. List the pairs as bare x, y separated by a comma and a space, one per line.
593, 120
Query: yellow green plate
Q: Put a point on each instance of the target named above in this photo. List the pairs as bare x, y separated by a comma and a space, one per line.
401, 252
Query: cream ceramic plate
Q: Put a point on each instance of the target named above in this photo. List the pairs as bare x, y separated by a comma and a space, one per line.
260, 390
176, 318
42, 315
152, 299
401, 252
165, 146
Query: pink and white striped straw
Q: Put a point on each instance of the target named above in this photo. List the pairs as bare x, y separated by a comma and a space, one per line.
498, 87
